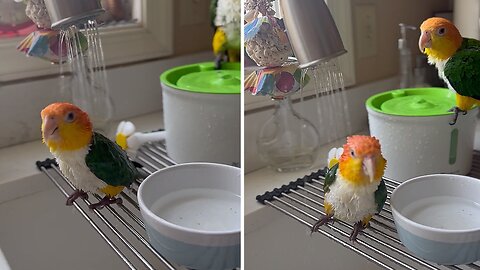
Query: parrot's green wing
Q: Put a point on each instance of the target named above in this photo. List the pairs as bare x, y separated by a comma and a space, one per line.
213, 12
330, 177
109, 162
462, 70
380, 196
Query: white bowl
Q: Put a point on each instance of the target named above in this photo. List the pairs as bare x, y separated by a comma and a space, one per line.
438, 217
192, 214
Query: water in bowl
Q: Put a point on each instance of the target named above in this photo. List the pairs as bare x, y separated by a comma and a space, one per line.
201, 209
445, 212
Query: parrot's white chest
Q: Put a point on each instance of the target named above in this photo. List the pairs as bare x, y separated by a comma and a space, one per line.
440, 65
351, 203
73, 166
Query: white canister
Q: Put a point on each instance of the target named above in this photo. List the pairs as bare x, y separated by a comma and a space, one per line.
202, 113
416, 137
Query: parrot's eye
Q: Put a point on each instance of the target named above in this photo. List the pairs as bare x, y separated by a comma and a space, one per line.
441, 31
352, 153
69, 117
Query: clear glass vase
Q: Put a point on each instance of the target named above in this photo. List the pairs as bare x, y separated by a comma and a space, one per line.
287, 142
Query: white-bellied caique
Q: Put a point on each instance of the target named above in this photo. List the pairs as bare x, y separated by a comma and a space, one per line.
225, 16
90, 161
456, 58
354, 188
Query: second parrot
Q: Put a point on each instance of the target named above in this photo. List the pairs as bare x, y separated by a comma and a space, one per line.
457, 60
226, 19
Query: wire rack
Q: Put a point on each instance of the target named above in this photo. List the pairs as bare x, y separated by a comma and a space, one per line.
120, 225
302, 200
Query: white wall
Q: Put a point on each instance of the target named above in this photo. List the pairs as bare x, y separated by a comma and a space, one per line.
466, 15
135, 90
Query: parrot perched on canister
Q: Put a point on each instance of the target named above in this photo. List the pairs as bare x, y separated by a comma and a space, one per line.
89, 160
226, 19
457, 60
354, 188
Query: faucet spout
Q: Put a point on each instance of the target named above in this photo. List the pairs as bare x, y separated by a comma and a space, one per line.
312, 31
65, 13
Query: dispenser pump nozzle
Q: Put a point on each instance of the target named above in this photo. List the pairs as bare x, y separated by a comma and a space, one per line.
402, 42
406, 76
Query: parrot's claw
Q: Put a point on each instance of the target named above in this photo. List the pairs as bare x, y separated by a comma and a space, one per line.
456, 110
218, 61
104, 202
322, 221
357, 228
75, 195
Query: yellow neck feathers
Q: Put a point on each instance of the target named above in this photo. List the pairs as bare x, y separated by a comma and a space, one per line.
442, 51
352, 171
72, 138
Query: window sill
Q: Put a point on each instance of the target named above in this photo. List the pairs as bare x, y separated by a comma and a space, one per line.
153, 38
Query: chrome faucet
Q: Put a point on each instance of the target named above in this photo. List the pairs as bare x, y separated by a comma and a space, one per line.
65, 13
312, 31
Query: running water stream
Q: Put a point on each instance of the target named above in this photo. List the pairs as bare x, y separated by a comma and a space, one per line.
82, 48
332, 108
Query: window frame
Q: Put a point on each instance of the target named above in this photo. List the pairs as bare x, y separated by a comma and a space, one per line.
152, 38
342, 14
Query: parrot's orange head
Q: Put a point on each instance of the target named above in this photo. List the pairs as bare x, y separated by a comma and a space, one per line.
362, 162
65, 127
439, 38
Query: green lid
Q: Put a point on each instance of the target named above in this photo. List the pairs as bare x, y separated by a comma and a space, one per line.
203, 78
413, 102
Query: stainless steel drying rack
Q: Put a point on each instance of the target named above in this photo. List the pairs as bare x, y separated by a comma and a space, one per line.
302, 200
120, 225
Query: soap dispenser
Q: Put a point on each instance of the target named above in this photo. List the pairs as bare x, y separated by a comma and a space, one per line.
406, 76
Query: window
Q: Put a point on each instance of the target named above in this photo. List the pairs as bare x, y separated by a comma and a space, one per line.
132, 30
120, 12
341, 12
13, 21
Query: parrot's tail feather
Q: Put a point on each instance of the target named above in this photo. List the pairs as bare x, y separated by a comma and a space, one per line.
137, 165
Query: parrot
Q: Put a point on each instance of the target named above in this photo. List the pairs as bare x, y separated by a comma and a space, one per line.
89, 160
457, 60
354, 188
226, 20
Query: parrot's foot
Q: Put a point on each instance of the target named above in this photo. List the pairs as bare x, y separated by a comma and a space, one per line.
104, 202
218, 61
324, 220
456, 110
75, 195
357, 228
